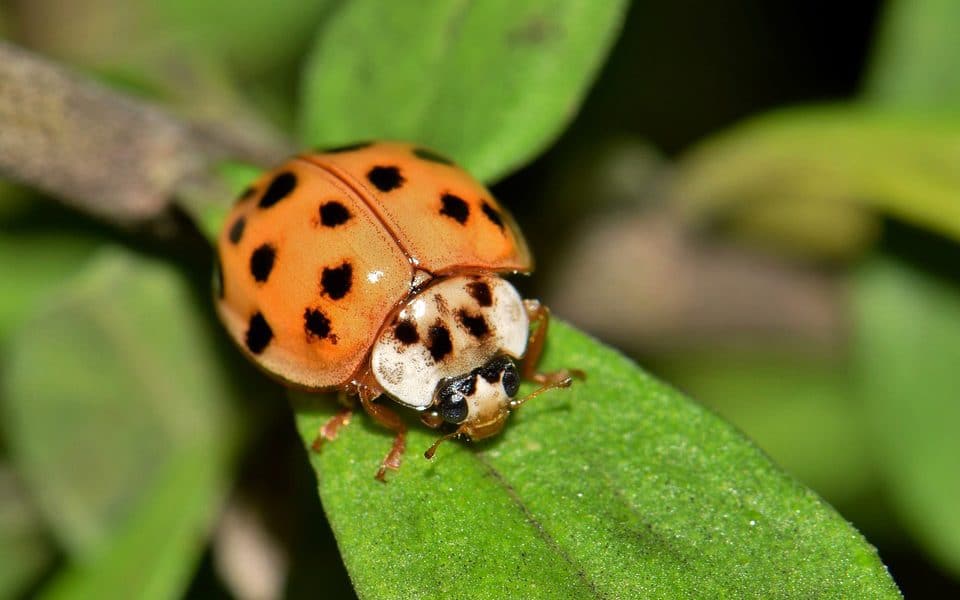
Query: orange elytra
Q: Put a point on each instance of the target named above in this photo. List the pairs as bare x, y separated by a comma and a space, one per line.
377, 269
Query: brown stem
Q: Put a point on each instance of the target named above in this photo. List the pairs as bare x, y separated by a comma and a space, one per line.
118, 158
648, 285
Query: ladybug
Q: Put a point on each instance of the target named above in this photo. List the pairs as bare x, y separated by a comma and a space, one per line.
376, 269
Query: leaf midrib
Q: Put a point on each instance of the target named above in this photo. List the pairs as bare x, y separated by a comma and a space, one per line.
542, 533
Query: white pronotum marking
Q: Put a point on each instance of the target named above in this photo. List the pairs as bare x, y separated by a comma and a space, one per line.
409, 372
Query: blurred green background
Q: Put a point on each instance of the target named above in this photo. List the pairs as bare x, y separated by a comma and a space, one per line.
758, 201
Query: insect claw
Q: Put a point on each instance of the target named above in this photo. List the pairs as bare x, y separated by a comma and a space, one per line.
328, 431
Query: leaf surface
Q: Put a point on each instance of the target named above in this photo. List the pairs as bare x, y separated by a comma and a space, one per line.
25, 550
619, 487
118, 415
916, 64
801, 410
907, 350
834, 158
54, 256
489, 84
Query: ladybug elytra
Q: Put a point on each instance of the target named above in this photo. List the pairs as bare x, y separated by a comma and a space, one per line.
376, 269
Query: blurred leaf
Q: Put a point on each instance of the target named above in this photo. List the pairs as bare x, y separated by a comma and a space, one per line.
799, 409
619, 488
903, 166
907, 352
153, 553
490, 84
38, 263
250, 36
803, 227
209, 61
118, 417
24, 549
799, 179
916, 64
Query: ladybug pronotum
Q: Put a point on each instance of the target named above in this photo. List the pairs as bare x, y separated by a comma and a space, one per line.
376, 270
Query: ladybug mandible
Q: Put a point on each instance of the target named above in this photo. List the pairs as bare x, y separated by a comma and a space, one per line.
376, 269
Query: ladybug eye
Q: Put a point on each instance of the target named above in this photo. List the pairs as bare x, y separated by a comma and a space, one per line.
510, 380
453, 405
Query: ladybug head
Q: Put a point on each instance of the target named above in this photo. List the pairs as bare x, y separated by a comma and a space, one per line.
479, 402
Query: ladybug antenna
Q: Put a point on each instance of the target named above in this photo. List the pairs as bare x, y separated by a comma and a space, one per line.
433, 449
551, 381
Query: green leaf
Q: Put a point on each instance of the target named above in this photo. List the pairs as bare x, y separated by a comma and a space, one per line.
25, 549
916, 64
132, 34
490, 84
31, 228
219, 64
153, 553
801, 179
619, 488
907, 347
800, 409
250, 36
838, 158
53, 257
117, 409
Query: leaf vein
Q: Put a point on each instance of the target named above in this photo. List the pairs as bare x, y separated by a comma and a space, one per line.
542, 532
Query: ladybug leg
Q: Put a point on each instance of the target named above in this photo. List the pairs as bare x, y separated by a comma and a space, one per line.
539, 316
329, 430
389, 419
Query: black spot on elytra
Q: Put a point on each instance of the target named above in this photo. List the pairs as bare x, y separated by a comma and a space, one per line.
261, 262
432, 156
480, 292
438, 342
316, 323
333, 213
346, 148
259, 334
217, 277
279, 188
406, 332
246, 194
337, 281
475, 325
236, 230
455, 208
492, 214
385, 178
